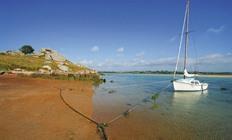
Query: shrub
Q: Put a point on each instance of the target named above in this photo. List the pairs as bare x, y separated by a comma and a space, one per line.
26, 49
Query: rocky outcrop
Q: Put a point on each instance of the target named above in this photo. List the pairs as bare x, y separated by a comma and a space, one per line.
22, 71
63, 68
46, 69
52, 55
10, 52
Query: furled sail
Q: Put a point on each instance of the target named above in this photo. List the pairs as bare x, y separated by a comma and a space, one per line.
186, 74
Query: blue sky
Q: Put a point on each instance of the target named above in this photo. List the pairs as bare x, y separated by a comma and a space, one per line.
121, 34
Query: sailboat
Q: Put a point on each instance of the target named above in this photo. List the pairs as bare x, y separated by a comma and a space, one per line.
188, 82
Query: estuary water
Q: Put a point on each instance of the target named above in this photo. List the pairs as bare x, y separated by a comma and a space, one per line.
173, 116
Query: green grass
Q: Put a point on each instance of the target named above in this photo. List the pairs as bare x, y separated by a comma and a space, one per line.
95, 78
30, 63
75, 68
10, 62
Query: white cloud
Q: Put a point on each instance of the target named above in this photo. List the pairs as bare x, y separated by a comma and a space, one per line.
216, 59
209, 62
140, 54
130, 63
95, 49
120, 50
216, 30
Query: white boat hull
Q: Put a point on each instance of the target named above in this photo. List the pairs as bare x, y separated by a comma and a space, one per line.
185, 86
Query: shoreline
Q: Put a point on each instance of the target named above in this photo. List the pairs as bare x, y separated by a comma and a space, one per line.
200, 75
30, 108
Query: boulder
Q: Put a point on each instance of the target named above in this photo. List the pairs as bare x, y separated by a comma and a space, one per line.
18, 69
57, 57
47, 67
48, 57
2, 72
63, 68
44, 71
52, 55
46, 50
10, 52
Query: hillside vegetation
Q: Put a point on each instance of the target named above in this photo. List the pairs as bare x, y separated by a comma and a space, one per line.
45, 64
11, 62
31, 63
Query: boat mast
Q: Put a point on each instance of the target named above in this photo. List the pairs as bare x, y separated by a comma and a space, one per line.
181, 40
186, 36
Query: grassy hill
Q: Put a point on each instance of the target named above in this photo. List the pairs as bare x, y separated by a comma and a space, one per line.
31, 63
34, 63
11, 62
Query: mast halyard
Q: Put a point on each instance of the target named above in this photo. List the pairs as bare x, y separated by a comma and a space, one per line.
186, 36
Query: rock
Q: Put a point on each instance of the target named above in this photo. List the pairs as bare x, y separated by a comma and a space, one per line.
66, 63
28, 73
61, 63
18, 69
21, 71
52, 55
10, 52
48, 57
46, 50
57, 57
223, 89
80, 72
2, 72
47, 67
112, 91
44, 71
103, 80
63, 68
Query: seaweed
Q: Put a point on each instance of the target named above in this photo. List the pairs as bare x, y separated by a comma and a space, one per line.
111, 91
154, 98
223, 89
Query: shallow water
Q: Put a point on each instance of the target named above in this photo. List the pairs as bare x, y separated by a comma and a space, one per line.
178, 115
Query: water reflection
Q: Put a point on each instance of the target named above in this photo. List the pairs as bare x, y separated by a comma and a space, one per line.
188, 98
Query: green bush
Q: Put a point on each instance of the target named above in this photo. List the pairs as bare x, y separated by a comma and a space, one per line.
26, 49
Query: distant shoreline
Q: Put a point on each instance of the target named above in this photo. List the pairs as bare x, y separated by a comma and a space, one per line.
216, 75
223, 75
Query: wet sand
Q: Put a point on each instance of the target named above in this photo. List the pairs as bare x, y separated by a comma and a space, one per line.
32, 109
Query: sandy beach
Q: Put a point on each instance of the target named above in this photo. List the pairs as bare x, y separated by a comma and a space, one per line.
32, 109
